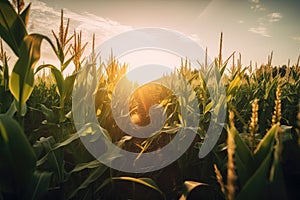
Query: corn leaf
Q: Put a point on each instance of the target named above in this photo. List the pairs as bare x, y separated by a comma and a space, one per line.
66, 64
5, 78
59, 79
55, 158
146, 182
243, 170
25, 14
56, 146
276, 171
59, 52
22, 78
64, 86
85, 130
234, 84
143, 181
39, 185
15, 152
265, 145
197, 190
49, 114
82, 166
255, 186
12, 27
94, 176
244, 157
12, 110
68, 87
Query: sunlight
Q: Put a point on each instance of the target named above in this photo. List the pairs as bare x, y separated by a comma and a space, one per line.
148, 65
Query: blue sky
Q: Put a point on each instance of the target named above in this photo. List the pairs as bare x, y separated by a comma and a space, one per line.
252, 27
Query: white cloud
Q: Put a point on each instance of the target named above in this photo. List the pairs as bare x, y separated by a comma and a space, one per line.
43, 19
261, 30
257, 7
264, 23
269, 19
274, 17
240, 21
296, 38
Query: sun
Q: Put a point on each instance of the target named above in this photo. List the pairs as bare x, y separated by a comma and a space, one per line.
145, 66
143, 98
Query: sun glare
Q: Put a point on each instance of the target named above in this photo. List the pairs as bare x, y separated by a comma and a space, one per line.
148, 65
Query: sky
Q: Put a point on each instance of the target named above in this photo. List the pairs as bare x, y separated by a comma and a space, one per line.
253, 28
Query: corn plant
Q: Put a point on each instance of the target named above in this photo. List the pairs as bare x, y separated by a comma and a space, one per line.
16, 152
5, 95
64, 84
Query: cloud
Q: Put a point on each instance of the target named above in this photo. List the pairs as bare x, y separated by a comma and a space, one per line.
240, 21
269, 19
257, 7
296, 38
274, 17
44, 18
264, 23
261, 30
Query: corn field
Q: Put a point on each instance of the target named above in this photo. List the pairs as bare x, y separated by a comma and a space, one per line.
41, 156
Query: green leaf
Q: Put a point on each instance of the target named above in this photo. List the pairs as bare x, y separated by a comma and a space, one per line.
59, 52
244, 171
66, 64
39, 185
94, 176
258, 182
271, 87
188, 186
197, 190
276, 171
22, 110
25, 14
86, 129
55, 157
12, 27
222, 70
6, 99
147, 183
58, 76
208, 107
234, 84
15, 152
225, 63
143, 181
82, 166
265, 145
22, 78
244, 157
217, 73
49, 114
69, 140
5, 74
69, 83
12, 110
59, 79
